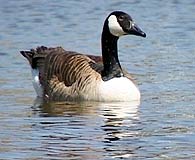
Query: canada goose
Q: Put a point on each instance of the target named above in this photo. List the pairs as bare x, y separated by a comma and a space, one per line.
60, 75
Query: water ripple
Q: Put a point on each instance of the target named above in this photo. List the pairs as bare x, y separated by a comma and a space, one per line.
161, 127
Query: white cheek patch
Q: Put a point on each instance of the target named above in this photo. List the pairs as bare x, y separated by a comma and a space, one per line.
115, 27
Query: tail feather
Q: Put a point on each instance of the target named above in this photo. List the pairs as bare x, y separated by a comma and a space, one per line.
28, 55
36, 57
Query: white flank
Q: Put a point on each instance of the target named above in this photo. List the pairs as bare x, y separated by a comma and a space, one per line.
114, 26
36, 83
118, 89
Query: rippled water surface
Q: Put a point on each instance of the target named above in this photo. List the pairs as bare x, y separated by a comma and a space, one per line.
161, 127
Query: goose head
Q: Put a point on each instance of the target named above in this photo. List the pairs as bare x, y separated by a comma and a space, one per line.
120, 23
117, 24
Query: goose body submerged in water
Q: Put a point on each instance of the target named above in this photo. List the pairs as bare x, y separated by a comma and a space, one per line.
60, 75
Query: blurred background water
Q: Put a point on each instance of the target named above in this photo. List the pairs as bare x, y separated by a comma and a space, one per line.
161, 127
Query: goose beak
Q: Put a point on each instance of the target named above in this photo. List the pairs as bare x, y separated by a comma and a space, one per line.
135, 30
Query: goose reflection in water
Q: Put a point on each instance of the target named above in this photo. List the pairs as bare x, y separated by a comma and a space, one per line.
87, 128
119, 118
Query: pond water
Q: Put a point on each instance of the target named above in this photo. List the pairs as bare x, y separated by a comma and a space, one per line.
161, 127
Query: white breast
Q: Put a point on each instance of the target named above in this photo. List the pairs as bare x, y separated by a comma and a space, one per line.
118, 89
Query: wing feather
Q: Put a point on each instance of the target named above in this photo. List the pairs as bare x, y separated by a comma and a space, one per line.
67, 73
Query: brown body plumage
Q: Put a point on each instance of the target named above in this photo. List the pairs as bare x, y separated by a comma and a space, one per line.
66, 75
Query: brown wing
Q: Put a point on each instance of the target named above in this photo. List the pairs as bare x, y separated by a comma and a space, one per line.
36, 58
65, 73
60, 69
68, 66
97, 59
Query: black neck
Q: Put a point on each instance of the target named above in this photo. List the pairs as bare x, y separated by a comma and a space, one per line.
112, 67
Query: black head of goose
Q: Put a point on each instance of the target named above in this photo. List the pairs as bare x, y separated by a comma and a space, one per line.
60, 75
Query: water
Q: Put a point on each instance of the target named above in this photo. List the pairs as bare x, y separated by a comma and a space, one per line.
161, 127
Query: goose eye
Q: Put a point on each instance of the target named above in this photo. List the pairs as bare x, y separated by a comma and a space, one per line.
121, 18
